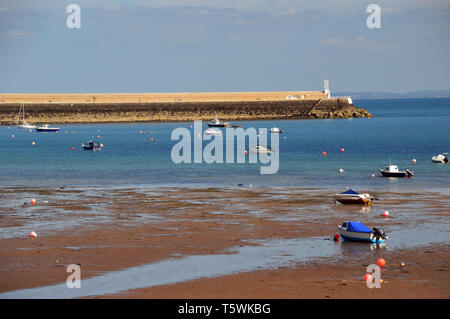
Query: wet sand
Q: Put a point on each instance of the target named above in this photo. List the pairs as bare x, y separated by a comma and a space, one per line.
105, 230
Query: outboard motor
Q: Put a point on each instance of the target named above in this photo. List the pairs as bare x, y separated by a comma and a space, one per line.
378, 233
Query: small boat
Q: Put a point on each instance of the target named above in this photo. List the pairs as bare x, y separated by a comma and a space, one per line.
24, 124
353, 197
393, 171
47, 128
213, 131
92, 146
260, 149
357, 231
217, 123
441, 158
276, 130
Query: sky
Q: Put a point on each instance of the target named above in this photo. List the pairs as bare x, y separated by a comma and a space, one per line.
223, 45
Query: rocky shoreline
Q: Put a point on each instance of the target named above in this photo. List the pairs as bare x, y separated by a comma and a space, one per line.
181, 111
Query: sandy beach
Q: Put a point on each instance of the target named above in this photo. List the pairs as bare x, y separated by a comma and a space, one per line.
104, 230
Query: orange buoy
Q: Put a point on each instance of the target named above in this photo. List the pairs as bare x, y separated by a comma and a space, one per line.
324, 153
33, 202
33, 234
381, 262
414, 160
402, 265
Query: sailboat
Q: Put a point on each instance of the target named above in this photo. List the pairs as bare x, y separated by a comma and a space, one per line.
21, 118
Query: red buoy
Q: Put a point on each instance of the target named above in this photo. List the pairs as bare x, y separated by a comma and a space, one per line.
33, 202
368, 277
342, 150
336, 237
381, 262
324, 153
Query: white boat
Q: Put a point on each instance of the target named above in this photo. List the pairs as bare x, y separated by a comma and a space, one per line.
276, 130
213, 131
393, 171
441, 158
260, 149
352, 197
217, 123
357, 231
47, 128
20, 119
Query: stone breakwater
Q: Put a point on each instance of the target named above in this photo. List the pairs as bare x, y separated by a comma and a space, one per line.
166, 111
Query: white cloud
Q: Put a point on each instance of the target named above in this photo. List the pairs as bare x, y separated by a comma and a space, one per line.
389, 10
289, 12
359, 42
16, 33
111, 8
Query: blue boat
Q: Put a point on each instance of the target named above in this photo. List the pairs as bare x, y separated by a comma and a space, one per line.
357, 231
47, 128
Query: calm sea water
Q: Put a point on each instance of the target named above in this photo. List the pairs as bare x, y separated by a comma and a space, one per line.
401, 130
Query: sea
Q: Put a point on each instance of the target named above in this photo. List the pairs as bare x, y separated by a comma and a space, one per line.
139, 154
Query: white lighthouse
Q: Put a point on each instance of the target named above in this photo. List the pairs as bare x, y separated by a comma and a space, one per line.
326, 88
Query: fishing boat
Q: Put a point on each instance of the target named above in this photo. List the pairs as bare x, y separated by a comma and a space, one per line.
216, 123
21, 119
357, 231
47, 128
276, 130
393, 171
352, 197
441, 158
92, 146
260, 149
213, 131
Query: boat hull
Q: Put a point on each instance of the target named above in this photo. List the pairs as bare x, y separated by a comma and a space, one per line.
47, 129
396, 174
219, 125
358, 237
26, 126
359, 201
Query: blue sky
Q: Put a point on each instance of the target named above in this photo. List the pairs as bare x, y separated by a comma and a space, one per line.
219, 45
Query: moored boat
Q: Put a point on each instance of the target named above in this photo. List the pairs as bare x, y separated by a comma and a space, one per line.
47, 128
260, 149
213, 131
276, 130
216, 123
352, 197
357, 231
21, 119
92, 146
441, 158
393, 171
